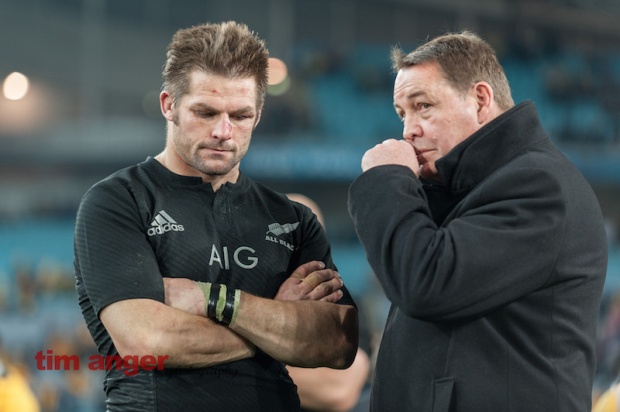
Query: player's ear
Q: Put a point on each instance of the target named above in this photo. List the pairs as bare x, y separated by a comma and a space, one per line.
258, 115
165, 104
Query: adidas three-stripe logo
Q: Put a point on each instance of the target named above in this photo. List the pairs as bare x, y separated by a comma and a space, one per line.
163, 223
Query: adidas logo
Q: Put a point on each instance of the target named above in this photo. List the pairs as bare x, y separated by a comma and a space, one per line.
277, 229
163, 223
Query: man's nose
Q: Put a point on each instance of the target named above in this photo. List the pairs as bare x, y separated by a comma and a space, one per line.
223, 128
411, 129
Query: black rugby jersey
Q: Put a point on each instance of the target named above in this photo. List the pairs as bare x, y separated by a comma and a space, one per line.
145, 222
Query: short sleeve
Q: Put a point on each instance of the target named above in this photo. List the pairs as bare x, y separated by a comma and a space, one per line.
113, 257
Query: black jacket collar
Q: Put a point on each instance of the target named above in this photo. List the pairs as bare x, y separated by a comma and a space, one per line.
489, 148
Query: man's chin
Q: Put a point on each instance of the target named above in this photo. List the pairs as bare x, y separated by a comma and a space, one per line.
428, 173
213, 167
214, 171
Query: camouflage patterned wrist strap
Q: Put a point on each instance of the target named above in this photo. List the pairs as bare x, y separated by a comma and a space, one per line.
221, 303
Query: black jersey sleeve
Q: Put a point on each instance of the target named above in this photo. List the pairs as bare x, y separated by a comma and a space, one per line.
315, 246
112, 254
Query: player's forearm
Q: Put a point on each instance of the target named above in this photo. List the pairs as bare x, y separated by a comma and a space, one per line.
201, 343
303, 333
183, 339
296, 328
327, 389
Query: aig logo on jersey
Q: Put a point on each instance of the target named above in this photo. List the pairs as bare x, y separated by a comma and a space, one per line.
164, 223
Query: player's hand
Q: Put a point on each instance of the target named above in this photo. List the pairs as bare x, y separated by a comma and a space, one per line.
391, 152
182, 293
311, 281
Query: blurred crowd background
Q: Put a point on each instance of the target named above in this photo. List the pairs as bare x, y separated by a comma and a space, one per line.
86, 104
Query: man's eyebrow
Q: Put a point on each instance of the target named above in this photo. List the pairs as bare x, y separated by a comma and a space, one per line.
412, 95
202, 106
415, 94
246, 109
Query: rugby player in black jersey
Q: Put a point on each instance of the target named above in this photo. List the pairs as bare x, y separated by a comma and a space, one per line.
183, 256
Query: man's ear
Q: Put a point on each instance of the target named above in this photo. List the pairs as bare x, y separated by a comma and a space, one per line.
258, 115
485, 102
165, 104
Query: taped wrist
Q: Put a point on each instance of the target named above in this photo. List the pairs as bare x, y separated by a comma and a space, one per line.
222, 303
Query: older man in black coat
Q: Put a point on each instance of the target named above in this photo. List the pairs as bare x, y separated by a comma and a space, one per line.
488, 242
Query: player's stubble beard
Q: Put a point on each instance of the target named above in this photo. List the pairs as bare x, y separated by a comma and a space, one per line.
192, 157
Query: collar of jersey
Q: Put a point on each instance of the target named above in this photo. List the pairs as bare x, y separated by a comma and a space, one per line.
179, 180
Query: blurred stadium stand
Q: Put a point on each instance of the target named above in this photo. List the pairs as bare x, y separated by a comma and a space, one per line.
94, 68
